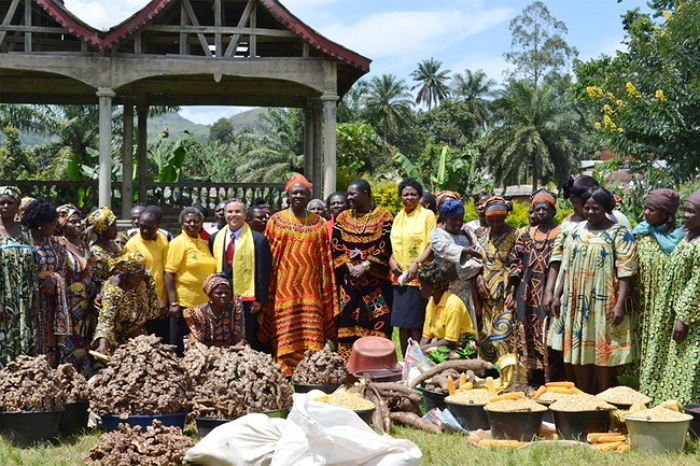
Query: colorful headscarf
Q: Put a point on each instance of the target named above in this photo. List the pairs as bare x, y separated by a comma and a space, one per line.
65, 212
213, 281
451, 207
99, 221
23, 204
12, 191
297, 179
543, 195
435, 274
444, 195
694, 198
130, 262
496, 205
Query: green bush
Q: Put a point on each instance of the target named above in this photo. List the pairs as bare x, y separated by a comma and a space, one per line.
385, 194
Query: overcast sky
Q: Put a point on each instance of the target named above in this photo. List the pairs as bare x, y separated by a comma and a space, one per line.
396, 34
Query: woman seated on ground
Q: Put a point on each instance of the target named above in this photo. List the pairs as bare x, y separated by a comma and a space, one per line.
218, 322
446, 316
128, 301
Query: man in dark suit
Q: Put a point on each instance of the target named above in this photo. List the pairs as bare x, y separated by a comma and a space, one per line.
240, 250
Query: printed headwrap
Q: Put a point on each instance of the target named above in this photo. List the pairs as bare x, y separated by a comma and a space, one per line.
130, 262
451, 207
694, 198
12, 191
213, 281
65, 212
297, 179
444, 195
543, 195
99, 221
664, 199
496, 205
23, 204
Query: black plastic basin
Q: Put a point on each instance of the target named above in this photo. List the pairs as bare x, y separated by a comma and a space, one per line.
522, 425
365, 415
207, 424
576, 425
469, 416
694, 410
74, 419
433, 400
307, 387
25, 428
548, 414
110, 422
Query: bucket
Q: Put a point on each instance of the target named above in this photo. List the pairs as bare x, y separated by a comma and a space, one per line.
433, 400
469, 416
25, 428
576, 425
110, 422
657, 436
694, 410
307, 387
207, 424
74, 419
522, 426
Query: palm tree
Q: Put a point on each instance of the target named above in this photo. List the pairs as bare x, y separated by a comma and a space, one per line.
432, 82
272, 156
472, 88
388, 102
538, 132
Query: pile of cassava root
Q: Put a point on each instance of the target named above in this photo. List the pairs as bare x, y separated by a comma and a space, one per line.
435, 378
321, 367
232, 382
157, 446
143, 376
28, 384
72, 382
398, 403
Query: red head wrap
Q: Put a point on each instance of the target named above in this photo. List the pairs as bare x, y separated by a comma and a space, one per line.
297, 179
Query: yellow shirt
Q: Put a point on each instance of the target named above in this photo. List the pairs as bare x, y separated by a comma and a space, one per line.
410, 235
448, 320
154, 252
191, 262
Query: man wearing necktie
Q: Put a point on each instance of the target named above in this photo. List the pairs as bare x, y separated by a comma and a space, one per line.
244, 255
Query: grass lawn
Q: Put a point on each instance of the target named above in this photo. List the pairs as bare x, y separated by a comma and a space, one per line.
439, 450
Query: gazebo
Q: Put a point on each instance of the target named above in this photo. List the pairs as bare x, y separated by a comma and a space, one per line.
178, 52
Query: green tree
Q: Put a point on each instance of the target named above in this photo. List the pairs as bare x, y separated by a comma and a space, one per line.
647, 98
15, 160
473, 89
388, 103
539, 51
431, 82
538, 132
452, 122
351, 107
222, 131
277, 153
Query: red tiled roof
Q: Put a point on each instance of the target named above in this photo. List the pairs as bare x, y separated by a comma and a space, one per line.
68, 20
129, 26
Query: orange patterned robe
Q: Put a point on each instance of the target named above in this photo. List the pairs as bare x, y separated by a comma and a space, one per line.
303, 304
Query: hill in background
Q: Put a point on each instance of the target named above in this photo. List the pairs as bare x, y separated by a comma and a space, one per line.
176, 125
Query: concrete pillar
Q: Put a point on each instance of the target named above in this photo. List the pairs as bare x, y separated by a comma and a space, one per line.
308, 142
142, 114
105, 95
330, 102
317, 155
128, 160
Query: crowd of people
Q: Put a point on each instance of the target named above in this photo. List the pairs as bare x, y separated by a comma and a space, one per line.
579, 301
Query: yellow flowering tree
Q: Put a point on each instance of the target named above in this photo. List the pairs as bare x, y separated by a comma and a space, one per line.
646, 101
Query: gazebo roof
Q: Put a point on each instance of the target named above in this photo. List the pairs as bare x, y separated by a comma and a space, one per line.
106, 39
181, 31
